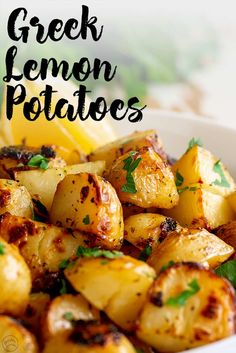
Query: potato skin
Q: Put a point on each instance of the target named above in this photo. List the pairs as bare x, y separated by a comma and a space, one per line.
227, 233
206, 316
201, 208
153, 180
111, 151
43, 246
145, 229
129, 280
43, 183
194, 245
15, 199
197, 166
15, 338
15, 281
92, 206
90, 338
54, 320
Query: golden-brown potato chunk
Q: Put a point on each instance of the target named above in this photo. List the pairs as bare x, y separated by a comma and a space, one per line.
111, 151
90, 338
15, 199
62, 313
15, 338
145, 229
198, 165
89, 203
118, 286
15, 280
188, 306
42, 184
201, 207
14, 158
43, 246
144, 179
192, 245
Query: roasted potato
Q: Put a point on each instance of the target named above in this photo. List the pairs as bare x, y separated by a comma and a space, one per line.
232, 200
146, 229
111, 151
118, 286
34, 311
144, 179
172, 321
227, 232
92, 206
15, 338
64, 311
14, 158
194, 245
130, 210
198, 165
43, 246
15, 280
90, 337
42, 184
15, 199
201, 207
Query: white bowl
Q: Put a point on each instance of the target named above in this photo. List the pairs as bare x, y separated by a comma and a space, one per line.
176, 129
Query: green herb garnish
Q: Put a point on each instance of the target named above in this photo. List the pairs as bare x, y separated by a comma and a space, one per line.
38, 161
145, 253
182, 189
97, 252
179, 179
222, 181
193, 188
165, 267
228, 270
2, 249
181, 298
86, 219
63, 289
130, 165
68, 316
63, 264
139, 350
194, 142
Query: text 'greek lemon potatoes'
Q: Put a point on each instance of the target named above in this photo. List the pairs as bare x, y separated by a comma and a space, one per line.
20, 27
124, 252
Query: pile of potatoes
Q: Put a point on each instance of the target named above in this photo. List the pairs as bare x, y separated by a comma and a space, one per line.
116, 254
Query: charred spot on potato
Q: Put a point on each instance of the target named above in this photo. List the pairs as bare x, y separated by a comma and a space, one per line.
5, 196
94, 333
156, 299
169, 225
201, 334
23, 153
48, 152
212, 308
17, 233
84, 193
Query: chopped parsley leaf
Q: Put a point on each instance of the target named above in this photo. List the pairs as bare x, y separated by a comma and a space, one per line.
38, 161
222, 181
97, 252
63, 289
193, 188
145, 253
86, 219
179, 179
181, 298
194, 142
63, 264
165, 267
2, 249
228, 270
130, 165
182, 189
68, 316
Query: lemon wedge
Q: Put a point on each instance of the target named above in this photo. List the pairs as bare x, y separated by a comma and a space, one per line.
84, 136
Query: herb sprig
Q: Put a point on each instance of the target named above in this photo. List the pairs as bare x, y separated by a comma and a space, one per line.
194, 142
2, 249
130, 165
222, 181
145, 253
181, 298
228, 270
96, 252
38, 161
179, 178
